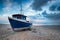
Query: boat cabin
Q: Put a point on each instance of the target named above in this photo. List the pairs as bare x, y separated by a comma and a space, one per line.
19, 16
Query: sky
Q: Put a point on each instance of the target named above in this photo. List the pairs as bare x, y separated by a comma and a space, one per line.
41, 11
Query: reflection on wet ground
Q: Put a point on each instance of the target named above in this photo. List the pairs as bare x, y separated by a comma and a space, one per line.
42, 32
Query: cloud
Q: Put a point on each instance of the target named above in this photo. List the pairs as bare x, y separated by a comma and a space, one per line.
7, 7
20, 1
37, 4
58, 8
1, 6
55, 6
53, 12
10, 8
52, 8
54, 16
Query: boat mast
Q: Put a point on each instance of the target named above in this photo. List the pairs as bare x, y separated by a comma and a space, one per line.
21, 8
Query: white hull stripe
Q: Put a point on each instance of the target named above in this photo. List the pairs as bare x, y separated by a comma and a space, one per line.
21, 28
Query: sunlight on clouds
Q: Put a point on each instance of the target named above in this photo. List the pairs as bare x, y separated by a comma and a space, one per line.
39, 20
27, 6
7, 7
29, 12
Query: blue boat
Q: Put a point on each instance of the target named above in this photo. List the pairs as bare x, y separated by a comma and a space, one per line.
19, 22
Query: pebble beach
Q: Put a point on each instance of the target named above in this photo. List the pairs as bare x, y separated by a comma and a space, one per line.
38, 32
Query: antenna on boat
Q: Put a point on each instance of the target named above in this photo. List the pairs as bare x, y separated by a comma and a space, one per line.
21, 8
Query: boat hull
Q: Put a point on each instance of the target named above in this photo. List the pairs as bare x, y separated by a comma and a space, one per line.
19, 25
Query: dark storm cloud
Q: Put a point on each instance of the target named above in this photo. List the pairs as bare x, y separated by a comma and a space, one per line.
55, 6
51, 16
20, 1
58, 8
52, 8
36, 5
1, 5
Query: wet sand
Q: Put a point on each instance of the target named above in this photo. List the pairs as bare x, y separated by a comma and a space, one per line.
41, 32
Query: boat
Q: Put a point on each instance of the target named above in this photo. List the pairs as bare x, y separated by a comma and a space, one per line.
19, 22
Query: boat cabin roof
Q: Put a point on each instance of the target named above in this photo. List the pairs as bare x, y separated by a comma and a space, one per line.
19, 15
